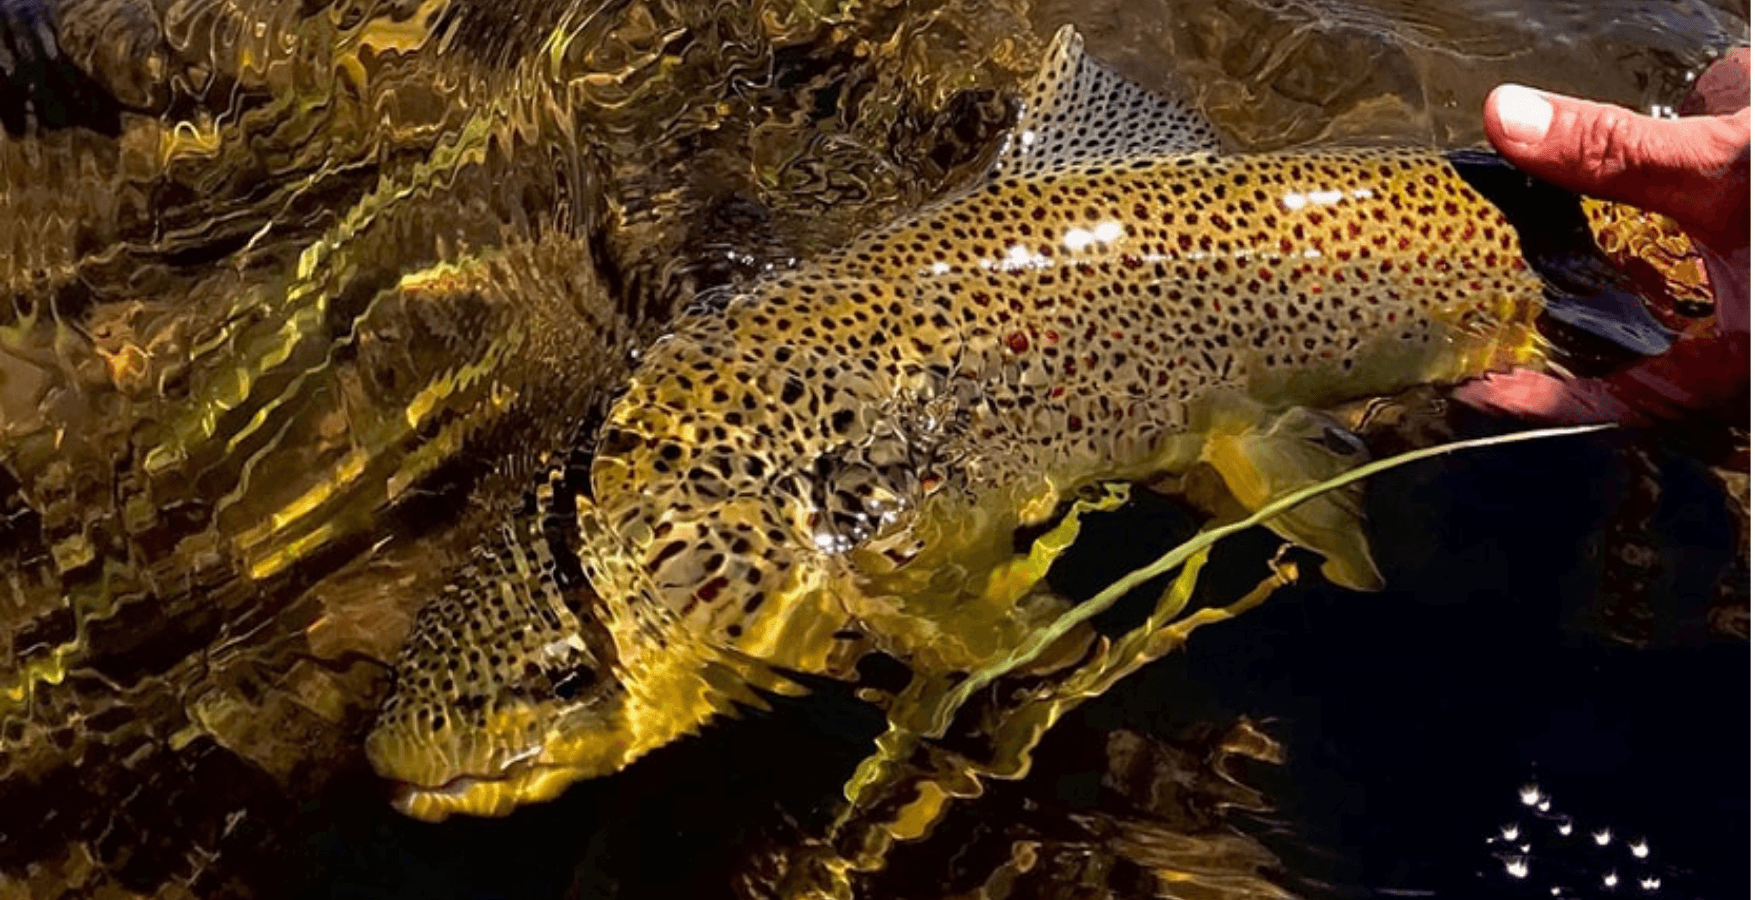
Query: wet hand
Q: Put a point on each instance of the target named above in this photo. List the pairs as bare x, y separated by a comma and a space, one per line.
1694, 170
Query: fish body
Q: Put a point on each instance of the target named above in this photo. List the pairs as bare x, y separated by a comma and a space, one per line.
840, 458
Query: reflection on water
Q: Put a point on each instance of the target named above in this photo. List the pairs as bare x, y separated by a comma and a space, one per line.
297, 295
1545, 847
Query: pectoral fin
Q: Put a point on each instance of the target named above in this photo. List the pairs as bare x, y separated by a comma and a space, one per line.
1273, 457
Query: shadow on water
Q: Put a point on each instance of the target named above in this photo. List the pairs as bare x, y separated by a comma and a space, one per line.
1413, 718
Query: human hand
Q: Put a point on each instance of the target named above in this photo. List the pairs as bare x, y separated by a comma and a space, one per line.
1694, 170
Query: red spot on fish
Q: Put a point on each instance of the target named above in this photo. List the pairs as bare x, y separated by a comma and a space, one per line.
709, 591
1017, 341
1051, 337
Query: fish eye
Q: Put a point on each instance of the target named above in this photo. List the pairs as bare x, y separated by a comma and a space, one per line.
573, 681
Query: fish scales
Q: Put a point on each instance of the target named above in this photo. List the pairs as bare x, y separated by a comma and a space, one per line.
991, 372
839, 459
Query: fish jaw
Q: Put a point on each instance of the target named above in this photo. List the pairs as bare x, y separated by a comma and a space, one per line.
526, 753
504, 693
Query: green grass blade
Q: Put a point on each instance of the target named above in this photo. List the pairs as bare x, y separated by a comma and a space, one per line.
1040, 641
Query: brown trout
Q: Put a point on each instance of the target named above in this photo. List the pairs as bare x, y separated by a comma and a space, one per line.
837, 460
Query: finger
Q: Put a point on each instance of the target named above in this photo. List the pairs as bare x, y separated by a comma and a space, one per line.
1723, 88
1700, 379
1694, 170
1544, 398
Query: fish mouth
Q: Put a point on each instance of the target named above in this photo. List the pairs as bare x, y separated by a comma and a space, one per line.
519, 783
492, 771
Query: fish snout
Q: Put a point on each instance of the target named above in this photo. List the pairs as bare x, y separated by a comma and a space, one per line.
499, 700
489, 759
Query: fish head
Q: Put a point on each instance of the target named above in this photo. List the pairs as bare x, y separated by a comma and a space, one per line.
503, 695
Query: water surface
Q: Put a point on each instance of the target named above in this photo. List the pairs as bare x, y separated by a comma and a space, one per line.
298, 294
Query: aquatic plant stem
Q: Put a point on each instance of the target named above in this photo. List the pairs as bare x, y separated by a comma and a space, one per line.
1041, 640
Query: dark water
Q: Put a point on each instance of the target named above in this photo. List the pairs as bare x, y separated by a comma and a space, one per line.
1412, 721
200, 585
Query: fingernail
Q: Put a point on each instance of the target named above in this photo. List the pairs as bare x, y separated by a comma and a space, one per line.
1523, 113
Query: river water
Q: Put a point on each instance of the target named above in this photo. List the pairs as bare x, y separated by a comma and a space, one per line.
297, 295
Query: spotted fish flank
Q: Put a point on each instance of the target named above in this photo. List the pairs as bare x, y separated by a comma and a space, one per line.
838, 460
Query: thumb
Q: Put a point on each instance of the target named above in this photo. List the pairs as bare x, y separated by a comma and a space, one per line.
1694, 170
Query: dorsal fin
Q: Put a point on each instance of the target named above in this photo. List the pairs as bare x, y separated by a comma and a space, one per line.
1078, 113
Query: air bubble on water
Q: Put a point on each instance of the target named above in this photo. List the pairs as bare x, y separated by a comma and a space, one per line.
1611, 879
1530, 795
1640, 848
1517, 867
1650, 884
1509, 832
1602, 837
